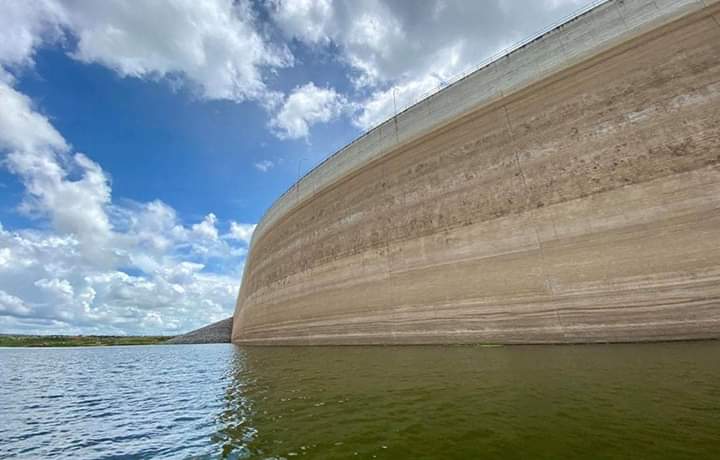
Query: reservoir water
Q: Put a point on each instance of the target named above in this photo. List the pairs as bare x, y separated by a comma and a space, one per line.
654, 401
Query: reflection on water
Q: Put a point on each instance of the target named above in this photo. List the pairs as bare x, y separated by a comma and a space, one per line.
616, 401
220, 401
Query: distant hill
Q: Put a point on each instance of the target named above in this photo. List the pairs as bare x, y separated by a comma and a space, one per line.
214, 333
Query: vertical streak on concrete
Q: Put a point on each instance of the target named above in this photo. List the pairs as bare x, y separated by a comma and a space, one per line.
714, 16
386, 224
300, 241
621, 15
538, 241
548, 283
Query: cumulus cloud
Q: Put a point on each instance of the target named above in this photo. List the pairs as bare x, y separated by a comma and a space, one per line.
11, 305
35, 151
100, 267
241, 232
206, 229
25, 24
221, 48
308, 20
305, 106
213, 46
159, 271
397, 44
22, 128
49, 287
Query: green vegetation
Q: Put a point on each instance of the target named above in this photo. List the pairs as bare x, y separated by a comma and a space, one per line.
77, 340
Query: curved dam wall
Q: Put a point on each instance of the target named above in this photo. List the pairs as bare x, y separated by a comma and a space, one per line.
568, 192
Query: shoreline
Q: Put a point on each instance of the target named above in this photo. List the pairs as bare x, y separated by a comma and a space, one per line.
68, 341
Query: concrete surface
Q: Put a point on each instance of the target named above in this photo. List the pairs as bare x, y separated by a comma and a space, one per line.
569, 192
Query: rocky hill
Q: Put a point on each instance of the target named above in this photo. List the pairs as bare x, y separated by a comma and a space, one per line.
218, 332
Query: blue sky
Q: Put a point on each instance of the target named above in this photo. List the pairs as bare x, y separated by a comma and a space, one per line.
141, 141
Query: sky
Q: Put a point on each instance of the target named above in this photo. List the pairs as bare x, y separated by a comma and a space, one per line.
142, 140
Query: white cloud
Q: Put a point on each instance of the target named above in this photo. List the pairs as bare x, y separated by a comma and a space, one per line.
11, 305
101, 267
366, 31
57, 287
213, 43
309, 20
24, 25
264, 165
304, 107
241, 232
214, 46
48, 286
75, 276
36, 152
206, 229
5, 256
55, 284
382, 104
22, 128
395, 43
221, 50
74, 206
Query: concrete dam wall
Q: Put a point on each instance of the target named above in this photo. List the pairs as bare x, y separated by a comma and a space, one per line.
566, 193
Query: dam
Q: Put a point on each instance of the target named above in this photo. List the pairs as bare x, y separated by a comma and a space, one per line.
568, 192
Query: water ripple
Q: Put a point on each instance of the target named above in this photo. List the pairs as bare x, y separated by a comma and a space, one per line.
220, 401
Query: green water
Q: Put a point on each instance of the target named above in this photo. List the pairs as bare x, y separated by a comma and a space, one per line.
616, 401
656, 401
